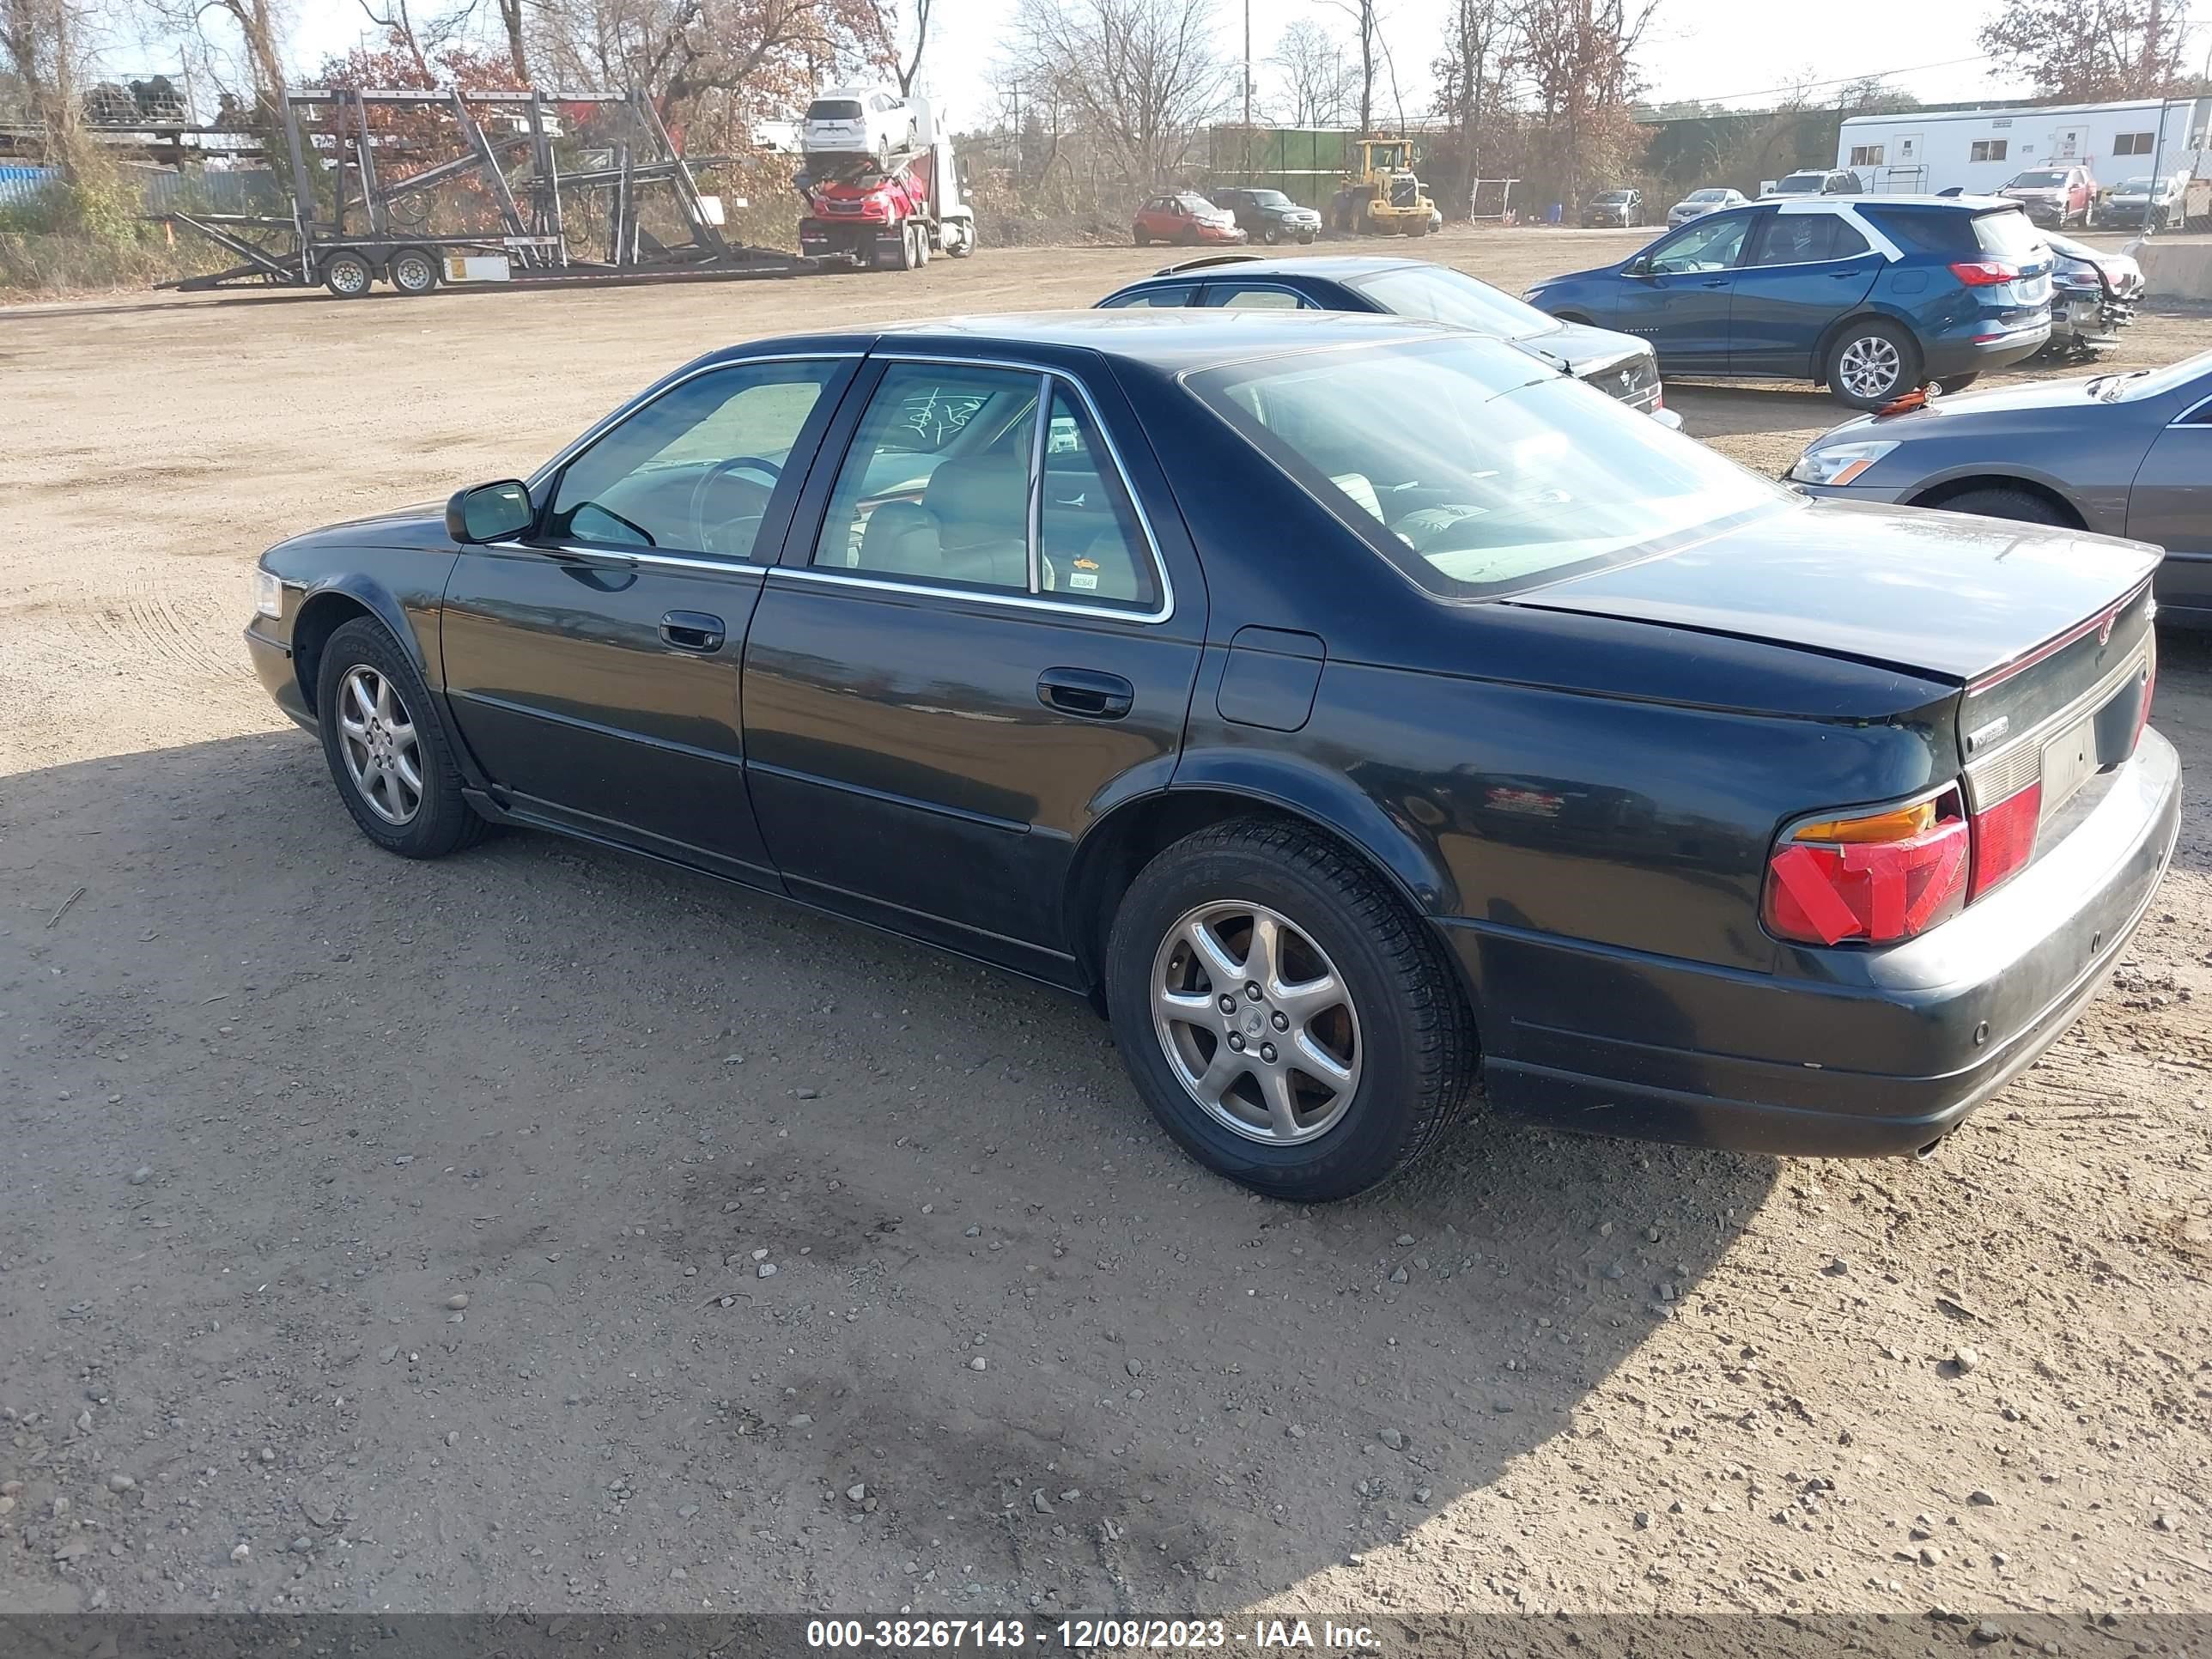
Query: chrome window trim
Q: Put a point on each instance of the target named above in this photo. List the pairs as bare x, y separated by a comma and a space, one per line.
1041, 422
2188, 418
612, 554
1045, 373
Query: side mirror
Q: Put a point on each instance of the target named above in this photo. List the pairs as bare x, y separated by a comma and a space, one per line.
1639, 266
489, 513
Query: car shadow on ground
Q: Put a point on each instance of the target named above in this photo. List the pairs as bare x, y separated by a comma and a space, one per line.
599, 1097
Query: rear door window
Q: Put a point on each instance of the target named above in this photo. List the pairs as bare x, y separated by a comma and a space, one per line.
1255, 296
1171, 295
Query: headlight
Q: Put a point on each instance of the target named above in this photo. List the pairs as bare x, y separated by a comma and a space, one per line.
1839, 463
268, 593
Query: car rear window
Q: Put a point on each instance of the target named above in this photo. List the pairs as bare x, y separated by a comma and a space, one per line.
1437, 294
1510, 478
834, 109
1801, 182
1960, 233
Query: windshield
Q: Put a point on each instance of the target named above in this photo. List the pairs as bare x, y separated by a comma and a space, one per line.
834, 109
1510, 478
1437, 294
1708, 196
1272, 198
1612, 196
2045, 180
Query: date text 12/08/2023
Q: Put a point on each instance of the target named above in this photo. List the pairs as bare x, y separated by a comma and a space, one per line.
1078, 1635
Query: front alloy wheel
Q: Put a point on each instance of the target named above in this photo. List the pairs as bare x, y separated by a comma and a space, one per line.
1256, 1023
378, 742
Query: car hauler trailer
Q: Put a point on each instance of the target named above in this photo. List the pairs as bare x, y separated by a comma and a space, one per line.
380, 223
879, 212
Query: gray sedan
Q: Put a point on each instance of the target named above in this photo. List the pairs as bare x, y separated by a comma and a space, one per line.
2122, 454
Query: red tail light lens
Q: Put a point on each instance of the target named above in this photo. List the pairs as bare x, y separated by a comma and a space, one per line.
1984, 273
2004, 837
1870, 879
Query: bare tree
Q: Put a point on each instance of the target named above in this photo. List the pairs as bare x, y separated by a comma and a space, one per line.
1139, 76
1317, 86
1367, 22
1470, 76
1579, 58
905, 65
42, 47
510, 23
2085, 49
754, 52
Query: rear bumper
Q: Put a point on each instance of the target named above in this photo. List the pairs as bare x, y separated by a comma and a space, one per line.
1839, 1053
1967, 351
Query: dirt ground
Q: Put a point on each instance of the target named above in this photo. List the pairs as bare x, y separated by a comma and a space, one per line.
274, 1103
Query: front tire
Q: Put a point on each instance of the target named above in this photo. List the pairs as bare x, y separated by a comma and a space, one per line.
388, 752
1272, 234
1346, 1049
1997, 501
1872, 363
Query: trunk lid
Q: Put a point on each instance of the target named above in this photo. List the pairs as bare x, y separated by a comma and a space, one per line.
1933, 594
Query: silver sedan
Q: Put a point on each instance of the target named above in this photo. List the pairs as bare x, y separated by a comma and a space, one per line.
1699, 202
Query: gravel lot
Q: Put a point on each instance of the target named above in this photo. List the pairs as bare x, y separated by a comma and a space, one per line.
275, 1103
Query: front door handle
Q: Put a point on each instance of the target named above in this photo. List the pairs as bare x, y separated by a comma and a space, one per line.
692, 630
1085, 693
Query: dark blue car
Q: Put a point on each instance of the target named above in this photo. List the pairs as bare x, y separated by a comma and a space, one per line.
1873, 295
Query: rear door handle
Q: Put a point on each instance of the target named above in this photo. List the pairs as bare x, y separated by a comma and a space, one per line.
1085, 693
692, 630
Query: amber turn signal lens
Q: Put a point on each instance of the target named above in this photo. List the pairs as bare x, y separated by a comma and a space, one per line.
1902, 824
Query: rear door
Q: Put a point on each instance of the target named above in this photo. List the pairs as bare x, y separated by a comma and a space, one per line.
1680, 298
977, 640
592, 666
1801, 271
2172, 505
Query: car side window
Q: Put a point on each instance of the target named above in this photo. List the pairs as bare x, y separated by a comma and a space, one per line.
1090, 546
1709, 244
1805, 239
693, 471
1172, 296
1248, 296
936, 485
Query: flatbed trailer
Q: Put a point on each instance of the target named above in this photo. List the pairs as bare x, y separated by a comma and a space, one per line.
887, 213
377, 230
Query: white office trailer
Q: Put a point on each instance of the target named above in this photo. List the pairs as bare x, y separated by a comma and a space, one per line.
1979, 150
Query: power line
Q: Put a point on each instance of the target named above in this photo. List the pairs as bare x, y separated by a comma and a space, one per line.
1806, 85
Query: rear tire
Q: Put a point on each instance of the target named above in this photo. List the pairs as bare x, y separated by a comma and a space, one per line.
1997, 501
348, 275
1872, 364
378, 724
1951, 383
1140, 238
414, 270
1392, 1021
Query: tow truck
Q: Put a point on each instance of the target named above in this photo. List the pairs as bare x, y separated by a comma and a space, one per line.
890, 212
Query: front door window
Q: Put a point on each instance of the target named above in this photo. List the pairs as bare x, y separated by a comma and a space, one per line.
1712, 246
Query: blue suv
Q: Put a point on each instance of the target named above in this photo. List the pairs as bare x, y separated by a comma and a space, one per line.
1874, 295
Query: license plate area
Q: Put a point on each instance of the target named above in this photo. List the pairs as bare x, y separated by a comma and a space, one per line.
2069, 760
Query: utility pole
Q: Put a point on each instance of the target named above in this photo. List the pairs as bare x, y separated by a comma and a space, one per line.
1248, 91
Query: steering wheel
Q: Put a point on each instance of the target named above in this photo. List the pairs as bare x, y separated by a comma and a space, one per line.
720, 469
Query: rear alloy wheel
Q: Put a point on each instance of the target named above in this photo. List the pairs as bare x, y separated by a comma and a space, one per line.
1872, 364
414, 270
347, 274
388, 753
1289, 1021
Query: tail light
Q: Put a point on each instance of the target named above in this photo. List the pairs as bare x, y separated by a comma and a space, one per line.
1871, 878
1984, 273
2004, 837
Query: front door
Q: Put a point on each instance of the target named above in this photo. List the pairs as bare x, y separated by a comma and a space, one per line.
592, 666
977, 640
2171, 504
1803, 270
1679, 298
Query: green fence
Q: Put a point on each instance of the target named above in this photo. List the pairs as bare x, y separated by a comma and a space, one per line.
1306, 164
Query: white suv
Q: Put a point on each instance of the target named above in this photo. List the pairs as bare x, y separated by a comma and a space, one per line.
860, 121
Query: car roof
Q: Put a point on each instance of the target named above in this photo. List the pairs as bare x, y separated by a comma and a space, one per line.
1170, 340
1334, 266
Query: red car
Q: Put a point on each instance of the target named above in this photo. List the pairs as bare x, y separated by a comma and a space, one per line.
1184, 216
